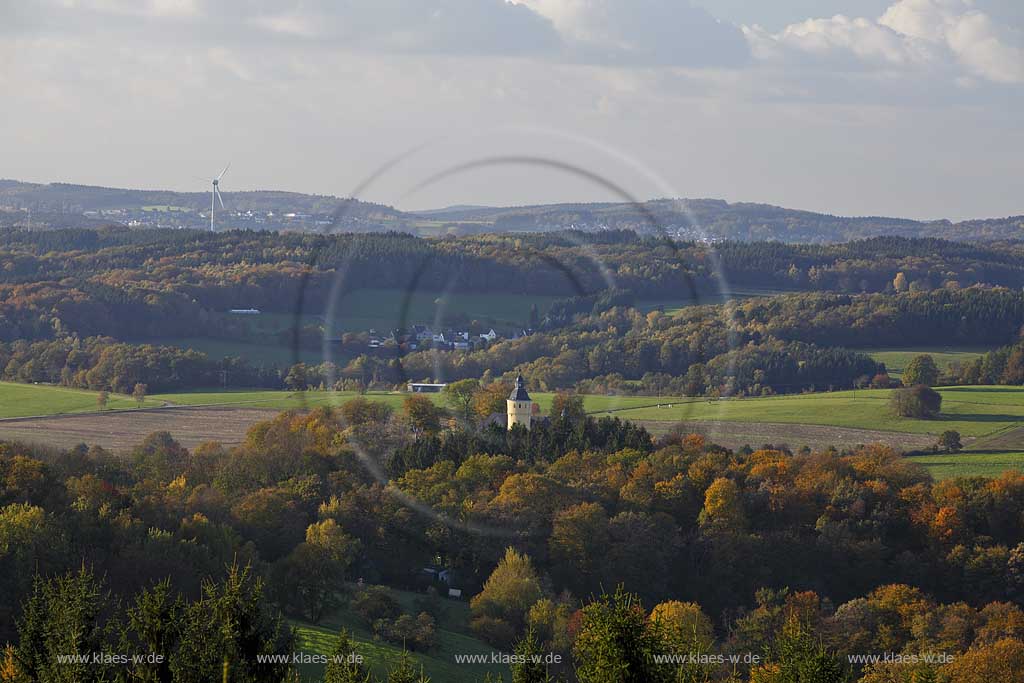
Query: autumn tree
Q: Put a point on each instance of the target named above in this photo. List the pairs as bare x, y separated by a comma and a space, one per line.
139, 393
578, 543
723, 509
684, 625
900, 283
504, 603
102, 398
422, 414
491, 399
569, 406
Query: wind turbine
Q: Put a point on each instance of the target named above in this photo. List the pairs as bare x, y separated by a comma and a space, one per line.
215, 194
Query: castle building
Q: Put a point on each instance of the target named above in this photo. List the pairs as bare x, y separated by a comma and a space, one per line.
519, 406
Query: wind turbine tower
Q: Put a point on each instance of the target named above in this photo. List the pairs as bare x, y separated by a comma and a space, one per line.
215, 194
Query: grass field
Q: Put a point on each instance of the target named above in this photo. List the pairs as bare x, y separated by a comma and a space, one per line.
25, 400
971, 463
972, 411
990, 418
439, 664
672, 305
896, 359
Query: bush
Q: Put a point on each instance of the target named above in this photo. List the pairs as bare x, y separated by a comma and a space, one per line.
494, 631
949, 441
918, 402
375, 603
415, 633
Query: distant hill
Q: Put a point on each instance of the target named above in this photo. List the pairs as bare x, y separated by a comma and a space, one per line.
717, 219
67, 205
64, 205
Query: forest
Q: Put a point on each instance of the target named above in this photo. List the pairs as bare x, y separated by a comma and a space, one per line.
69, 299
859, 552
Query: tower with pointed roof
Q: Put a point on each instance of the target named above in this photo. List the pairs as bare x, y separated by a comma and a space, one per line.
519, 406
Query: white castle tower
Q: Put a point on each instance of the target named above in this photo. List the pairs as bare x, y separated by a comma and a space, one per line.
519, 406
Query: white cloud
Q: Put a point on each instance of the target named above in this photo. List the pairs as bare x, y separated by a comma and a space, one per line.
646, 32
912, 35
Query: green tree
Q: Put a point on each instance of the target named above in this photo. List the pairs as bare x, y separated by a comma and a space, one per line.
949, 441
227, 632
529, 666
921, 370
798, 657
313, 579
405, 671
460, 396
617, 644
155, 623
919, 402
345, 664
66, 616
297, 377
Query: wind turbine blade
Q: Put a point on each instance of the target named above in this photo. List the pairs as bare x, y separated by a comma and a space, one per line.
224, 171
219, 198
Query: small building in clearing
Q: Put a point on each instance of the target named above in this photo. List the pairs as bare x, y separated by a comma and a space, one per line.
426, 387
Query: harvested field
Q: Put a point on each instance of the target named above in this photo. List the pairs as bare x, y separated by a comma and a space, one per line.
123, 429
754, 434
1007, 440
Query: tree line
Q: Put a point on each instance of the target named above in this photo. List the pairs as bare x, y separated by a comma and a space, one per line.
148, 283
307, 501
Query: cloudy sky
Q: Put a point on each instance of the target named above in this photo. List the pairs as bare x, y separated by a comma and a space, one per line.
895, 107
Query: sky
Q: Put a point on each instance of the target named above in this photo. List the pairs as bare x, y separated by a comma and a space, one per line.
855, 107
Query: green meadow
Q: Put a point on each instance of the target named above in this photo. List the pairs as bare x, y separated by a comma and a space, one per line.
972, 411
27, 400
453, 638
896, 359
993, 416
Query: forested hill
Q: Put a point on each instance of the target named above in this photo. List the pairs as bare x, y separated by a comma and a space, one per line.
63, 205
717, 219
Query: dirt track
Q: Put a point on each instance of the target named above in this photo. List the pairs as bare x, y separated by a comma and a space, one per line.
121, 430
